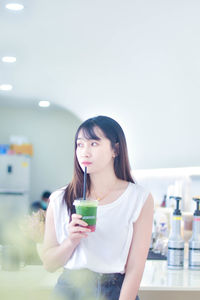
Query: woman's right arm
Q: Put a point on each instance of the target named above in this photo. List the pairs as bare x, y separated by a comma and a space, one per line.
56, 255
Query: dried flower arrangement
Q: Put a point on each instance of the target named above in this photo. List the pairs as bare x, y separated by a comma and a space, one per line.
33, 226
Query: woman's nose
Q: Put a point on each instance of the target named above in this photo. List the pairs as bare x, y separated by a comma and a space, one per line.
86, 152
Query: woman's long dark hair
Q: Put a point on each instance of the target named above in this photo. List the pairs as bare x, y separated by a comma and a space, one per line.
111, 130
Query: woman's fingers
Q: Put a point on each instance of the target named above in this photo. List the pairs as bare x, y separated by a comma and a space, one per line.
77, 227
77, 236
78, 223
77, 232
76, 220
76, 216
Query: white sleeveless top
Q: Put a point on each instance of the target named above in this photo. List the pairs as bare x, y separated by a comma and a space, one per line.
105, 250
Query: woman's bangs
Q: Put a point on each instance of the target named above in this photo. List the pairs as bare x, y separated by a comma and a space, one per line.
89, 133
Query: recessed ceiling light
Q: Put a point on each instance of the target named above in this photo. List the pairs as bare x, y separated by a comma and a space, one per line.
44, 103
6, 87
9, 59
14, 6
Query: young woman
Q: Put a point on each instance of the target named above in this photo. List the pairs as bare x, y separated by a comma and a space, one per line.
111, 260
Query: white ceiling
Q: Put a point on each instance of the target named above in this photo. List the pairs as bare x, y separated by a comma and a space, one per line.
137, 61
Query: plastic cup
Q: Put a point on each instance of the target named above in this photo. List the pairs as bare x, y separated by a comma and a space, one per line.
88, 210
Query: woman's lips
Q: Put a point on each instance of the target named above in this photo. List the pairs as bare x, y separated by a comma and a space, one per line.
86, 163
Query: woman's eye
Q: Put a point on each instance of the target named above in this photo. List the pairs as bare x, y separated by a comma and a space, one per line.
94, 144
79, 145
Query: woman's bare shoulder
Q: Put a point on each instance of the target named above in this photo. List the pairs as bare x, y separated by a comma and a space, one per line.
57, 194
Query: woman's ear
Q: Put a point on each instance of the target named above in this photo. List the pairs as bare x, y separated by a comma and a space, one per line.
116, 150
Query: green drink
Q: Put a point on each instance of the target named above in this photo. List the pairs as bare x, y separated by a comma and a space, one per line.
88, 210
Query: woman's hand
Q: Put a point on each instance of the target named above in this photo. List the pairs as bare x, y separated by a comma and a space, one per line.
77, 229
56, 255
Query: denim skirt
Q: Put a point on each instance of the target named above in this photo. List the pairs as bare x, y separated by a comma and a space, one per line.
88, 285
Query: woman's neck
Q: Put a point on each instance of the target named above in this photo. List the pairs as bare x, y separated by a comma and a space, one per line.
103, 182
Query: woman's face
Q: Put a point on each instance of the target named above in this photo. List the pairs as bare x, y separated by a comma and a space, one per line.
96, 155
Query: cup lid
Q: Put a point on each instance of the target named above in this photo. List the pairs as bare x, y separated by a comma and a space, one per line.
82, 202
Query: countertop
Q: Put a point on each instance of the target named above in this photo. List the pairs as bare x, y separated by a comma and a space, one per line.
156, 277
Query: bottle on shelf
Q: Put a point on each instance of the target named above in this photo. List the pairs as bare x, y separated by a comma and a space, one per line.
194, 242
175, 255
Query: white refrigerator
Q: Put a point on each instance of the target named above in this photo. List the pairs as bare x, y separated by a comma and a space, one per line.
14, 188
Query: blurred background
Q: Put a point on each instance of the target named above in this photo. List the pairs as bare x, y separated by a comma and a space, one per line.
64, 61
136, 61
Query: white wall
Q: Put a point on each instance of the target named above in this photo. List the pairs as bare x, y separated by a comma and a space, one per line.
137, 61
51, 131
